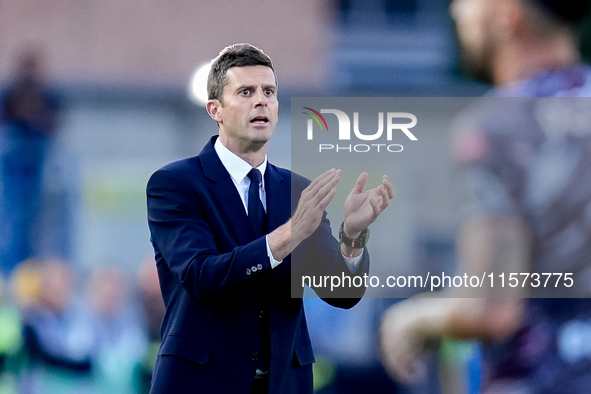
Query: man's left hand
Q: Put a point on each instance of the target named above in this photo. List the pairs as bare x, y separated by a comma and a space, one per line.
363, 208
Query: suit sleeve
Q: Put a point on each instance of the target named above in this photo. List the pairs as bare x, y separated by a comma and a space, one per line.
320, 257
343, 296
185, 241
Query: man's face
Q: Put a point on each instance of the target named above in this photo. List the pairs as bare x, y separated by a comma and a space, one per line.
473, 19
248, 114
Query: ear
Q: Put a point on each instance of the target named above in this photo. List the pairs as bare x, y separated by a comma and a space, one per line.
214, 109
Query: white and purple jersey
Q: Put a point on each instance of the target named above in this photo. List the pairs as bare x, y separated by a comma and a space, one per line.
531, 158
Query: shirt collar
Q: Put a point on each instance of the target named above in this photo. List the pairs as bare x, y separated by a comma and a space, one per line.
236, 167
569, 81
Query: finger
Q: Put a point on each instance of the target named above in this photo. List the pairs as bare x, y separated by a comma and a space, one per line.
385, 198
402, 365
375, 207
321, 181
325, 189
400, 369
327, 199
325, 174
388, 186
412, 371
406, 373
321, 177
399, 365
390, 365
389, 356
360, 183
330, 183
419, 371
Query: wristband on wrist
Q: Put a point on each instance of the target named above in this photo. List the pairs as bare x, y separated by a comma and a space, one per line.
355, 243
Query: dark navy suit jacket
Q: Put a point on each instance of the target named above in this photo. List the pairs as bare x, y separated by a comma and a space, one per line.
222, 296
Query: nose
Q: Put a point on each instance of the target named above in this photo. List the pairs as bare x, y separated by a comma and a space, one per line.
261, 99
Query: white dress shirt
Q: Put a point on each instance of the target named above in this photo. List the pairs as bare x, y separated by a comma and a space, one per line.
238, 170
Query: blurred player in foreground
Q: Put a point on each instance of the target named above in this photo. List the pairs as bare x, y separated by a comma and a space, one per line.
528, 206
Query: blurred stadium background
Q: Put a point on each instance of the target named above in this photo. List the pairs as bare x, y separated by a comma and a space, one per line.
120, 73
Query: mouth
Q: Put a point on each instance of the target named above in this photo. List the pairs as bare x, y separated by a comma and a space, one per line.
259, 120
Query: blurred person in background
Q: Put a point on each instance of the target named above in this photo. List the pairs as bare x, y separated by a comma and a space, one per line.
28, 119
26, 284
58, 336
119, 339
527, 207
11, 342
153, 313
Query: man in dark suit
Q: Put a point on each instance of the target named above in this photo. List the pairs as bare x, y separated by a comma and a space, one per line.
223, 232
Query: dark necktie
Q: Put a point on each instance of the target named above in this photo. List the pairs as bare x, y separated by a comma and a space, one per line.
256, 212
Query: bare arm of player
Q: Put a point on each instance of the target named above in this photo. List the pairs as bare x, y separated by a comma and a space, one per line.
501, 243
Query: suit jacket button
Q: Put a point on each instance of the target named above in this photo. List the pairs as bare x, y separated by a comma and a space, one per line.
254, 356
253, 268
259, 267
261, 314
248, 271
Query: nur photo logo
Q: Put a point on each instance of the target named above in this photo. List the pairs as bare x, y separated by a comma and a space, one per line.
395, 122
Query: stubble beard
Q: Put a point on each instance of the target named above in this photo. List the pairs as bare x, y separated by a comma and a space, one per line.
256, 144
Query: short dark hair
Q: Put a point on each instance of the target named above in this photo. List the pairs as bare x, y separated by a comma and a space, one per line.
237, 55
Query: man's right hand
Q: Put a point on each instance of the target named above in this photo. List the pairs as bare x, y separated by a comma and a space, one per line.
313, 202
308, 215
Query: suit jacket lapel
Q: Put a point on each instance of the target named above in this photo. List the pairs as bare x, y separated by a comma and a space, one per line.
278, 191
226, 195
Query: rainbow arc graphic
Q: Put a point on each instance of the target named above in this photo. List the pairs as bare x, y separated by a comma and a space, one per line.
315, 116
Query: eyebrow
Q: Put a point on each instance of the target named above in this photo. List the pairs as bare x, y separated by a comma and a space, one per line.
252, 87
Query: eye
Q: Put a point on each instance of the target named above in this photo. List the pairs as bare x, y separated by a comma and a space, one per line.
244, 92
269, 92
